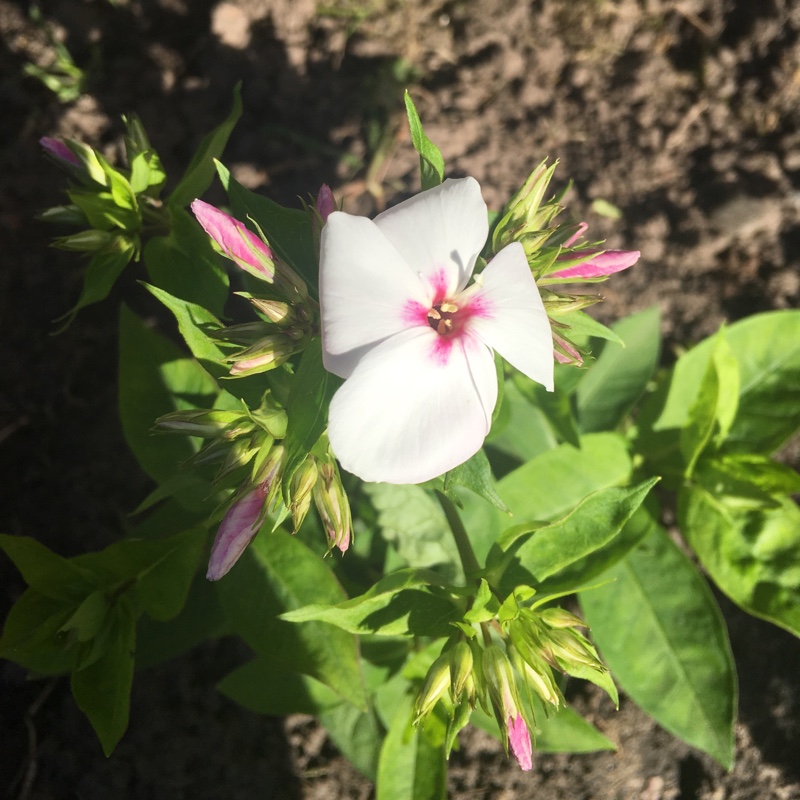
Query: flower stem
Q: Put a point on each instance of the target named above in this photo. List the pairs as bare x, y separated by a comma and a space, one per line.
469, 560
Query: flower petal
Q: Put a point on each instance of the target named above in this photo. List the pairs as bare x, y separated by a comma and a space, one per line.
606, 263
236, 531
367, 291
440, 233
509, 315
520, 740
416, 405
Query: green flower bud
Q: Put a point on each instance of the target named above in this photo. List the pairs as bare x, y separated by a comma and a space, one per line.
301, 491
332, 505
437, 682
461, 661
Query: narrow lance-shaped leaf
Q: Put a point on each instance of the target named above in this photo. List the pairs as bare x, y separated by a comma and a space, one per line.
431, 163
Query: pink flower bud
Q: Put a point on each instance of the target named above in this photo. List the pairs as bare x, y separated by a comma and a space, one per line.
238, 243
520, 740
57, 149
325, 203
236, 531
598, 263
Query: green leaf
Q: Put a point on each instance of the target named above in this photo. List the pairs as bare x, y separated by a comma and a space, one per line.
767, 348
288, 230
611, 386
48, 573
747, 476
154, 379
751, 553
309, 397
413, 522
555, 406
101, 274
357, 734
146, 171
195, 324
431, 163
590, 526
714, 408
410, 766
581, 324
31, 635
401, 603
200, 172
278, 573
521, 431
162, 590
200, 619
102, 690
474, 474
548, 486
184, 265
263, 687
661, 633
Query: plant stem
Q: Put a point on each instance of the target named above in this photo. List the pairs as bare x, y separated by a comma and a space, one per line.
469, 560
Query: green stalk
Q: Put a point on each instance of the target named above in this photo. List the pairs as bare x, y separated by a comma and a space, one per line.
469, 560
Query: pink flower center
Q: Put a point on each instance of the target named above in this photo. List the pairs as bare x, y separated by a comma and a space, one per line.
446, 318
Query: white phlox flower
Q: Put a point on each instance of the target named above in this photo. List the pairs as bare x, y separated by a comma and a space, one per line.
413, 341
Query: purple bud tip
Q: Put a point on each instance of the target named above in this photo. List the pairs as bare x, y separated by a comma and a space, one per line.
236, 531
520, 741
326, 205
59, 150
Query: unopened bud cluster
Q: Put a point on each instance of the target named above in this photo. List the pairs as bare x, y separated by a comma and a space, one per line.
502, 656
246, 449
287, 316
555, 254
113, 205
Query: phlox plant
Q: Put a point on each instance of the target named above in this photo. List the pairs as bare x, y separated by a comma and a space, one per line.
416, 477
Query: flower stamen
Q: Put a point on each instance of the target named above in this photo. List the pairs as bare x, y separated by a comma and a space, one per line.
442, 318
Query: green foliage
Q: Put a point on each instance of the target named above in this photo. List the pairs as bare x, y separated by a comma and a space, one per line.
278, 574
288, 231
431, 163
662, 635
200, 172
79, 615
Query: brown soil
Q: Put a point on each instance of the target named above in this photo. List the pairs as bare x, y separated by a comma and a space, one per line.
683, 115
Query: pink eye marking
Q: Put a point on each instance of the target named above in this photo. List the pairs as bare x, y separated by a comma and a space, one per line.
441, 347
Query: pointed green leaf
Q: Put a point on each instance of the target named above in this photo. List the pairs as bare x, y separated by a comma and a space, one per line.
474, 474
48, 573
101, 274
590, 526
102, 690
401, 603
431, 163
200, 172
660, 631
548, 486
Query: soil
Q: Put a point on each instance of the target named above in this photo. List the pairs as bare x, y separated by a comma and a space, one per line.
681, 115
